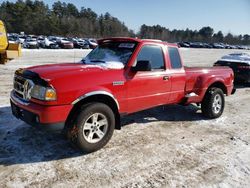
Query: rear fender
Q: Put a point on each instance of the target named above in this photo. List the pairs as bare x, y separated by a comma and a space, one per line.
208, 82
202, 86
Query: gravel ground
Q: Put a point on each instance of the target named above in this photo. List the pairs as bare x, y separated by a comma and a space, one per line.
172, 146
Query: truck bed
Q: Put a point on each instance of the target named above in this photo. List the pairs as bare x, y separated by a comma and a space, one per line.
198, 79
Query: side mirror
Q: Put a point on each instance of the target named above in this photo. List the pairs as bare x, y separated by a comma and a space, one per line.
142, 66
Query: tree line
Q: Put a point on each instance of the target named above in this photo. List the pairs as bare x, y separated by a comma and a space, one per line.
205, 34
35, 17
65, 19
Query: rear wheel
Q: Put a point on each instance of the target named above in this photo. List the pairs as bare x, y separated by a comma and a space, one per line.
213, 103
94, 127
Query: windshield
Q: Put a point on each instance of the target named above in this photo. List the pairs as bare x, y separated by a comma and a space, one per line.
115, 52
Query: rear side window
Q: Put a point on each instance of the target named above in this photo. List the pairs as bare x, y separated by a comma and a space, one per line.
174, 58
153, 54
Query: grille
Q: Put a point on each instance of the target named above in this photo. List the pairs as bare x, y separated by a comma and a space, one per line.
22, 87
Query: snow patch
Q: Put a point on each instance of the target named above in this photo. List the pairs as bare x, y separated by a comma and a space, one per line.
106, 65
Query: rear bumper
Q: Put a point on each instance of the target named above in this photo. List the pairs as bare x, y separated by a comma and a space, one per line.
50, 118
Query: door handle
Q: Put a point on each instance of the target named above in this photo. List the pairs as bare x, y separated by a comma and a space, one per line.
166, 78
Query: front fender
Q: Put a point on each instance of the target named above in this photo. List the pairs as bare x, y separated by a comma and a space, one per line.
100, 91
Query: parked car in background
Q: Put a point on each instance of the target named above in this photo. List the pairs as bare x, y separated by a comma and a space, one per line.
183, 44
31, 42
54, 42
52, 39
49, 44
13, 39
196, 45
240, 63
229, 46
241, 47
218, 46
206, 45
80, 43
92, 43
40, 41
65, 43
22, 39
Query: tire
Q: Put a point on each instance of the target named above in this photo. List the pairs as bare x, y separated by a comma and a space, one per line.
213, 103
94, 127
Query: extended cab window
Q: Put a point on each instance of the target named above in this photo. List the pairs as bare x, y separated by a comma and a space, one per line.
174, 58
153, 54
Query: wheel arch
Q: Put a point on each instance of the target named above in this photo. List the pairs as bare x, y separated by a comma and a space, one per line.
95, 96
218, 84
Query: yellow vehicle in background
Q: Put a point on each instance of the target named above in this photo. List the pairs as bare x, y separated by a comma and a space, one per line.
8, 51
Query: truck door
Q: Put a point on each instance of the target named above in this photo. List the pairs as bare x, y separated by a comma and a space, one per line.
147, 89
178, 76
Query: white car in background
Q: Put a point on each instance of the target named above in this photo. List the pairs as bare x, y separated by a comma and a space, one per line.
50, 44
31, 42
92, 43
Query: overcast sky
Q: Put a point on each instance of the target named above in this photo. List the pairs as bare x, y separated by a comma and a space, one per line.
225, 15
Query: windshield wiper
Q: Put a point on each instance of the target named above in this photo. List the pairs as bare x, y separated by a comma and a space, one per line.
96, 60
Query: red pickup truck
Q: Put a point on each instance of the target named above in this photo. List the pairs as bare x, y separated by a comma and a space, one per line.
119, 77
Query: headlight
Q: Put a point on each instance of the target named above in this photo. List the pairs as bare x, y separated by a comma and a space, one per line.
43, 93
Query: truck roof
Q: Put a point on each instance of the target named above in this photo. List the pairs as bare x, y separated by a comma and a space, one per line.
135, 40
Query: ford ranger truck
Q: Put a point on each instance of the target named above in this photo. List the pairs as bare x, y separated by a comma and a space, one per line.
119, 77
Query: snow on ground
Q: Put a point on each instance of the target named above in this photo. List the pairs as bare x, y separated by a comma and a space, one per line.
172, 146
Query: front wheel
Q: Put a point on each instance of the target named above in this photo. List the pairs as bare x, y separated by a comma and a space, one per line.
213, 103
94, 127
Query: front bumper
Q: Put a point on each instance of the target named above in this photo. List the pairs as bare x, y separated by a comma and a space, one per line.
50, 118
